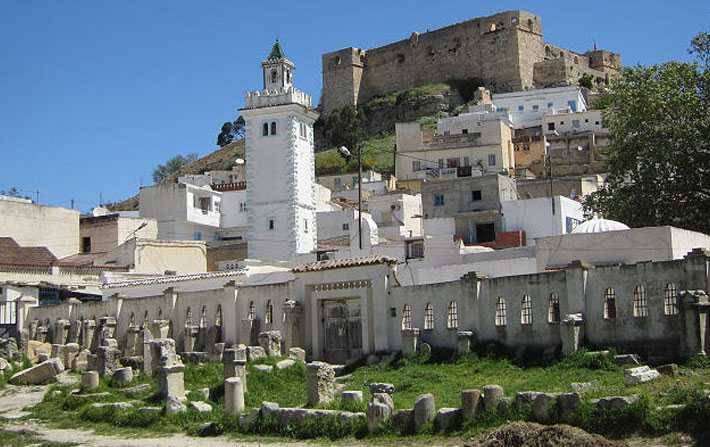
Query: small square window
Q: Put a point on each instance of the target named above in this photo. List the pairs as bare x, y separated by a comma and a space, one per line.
464, 131
491, 159
305, 225
475, 196
536, 107
550, 126
521, 108
346, 226
438, 200
549, 105
272, 224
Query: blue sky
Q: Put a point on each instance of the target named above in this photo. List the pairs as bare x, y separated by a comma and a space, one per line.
94, 94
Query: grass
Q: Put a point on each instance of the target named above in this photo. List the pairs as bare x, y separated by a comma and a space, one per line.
377, 155
21, 439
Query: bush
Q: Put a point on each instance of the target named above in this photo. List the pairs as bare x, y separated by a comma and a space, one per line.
331, 427
135, 418
698, 361
614, 422
589, 360
97, 414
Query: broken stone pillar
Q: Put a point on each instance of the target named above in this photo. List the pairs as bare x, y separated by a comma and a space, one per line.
33, 330
233, 396
470, 400
147, 360
171, 381
695, 307
271, 342
69, 353
190, 338
42, 331
320, 378
106, 329
61, 332
87, 334
89, 381
74, 331
160, 328
410, 342
133, 341
162, 353
235, 364
248, 330
570, 331
107, 357
463, 342
293, 324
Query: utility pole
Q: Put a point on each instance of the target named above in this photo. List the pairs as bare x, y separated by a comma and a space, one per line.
72, 203
359, 194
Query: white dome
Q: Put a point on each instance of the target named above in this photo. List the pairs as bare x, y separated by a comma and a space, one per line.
598, 225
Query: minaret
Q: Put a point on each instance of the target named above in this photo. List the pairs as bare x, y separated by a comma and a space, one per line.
280, 167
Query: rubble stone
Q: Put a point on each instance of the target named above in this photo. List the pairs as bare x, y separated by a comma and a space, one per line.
470, 401
174, 405
351, 396
320, 378
424, 410
200, 407
90, 380
544, 407
283, 364
297, 354
270, 341
403, 421
233, 396
381, 388
492, 395
377, 415
641, 374
615, 402
40, 374
448, 419
255, 353
671, 369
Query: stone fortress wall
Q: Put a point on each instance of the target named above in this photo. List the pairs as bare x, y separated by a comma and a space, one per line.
507, 51
654, 308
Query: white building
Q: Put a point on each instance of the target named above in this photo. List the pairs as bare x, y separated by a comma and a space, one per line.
564, 122
281, 199
528, 107
183, 211
542, 217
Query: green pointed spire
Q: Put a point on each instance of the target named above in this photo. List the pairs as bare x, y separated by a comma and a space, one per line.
276, 52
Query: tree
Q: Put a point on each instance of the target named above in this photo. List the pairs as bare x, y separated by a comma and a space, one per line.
231, 131
13, 191
172, 167
700, 48
659, 155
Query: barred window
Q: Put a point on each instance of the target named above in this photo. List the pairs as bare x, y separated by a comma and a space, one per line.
553, 309
640, 304
269, 314
526, 316
501, 312
670, 300
609, 304
252, 311
428, 317
452, 316
407, 317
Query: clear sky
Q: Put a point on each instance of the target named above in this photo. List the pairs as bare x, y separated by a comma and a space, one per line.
94, 94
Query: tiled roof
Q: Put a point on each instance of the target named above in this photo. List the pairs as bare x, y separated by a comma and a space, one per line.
343, 263
172, 278
87, 260
12, 254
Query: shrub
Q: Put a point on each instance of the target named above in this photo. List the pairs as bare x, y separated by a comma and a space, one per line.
97, 414
698, 361
614, 422
589, 360
331, 427
135, 418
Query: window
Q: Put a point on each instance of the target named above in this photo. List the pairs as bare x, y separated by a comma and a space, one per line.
242, 207
491, 159
441, 163
273, 128
197, 236
452, 162
640, 304
274, 76
670, 300
575, 124
272, 224
86, 245
550, 126
526, 315
407, 317
572, 105
475, 196
553, 309
536, 107
269, 315
428, 317
205, 204
415, 249
501, 313
452, 316
521, 108
549, 105
609, 304
464, 131
251, 316
438, 200
346, 227
416, 165
265, 130
485, 232
217, 206
466, 161
302, 130
305, 225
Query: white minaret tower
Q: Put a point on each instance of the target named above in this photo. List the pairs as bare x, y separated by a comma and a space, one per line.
280, 169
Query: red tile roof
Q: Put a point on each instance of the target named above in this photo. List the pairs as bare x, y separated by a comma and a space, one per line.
343, 263
12, 254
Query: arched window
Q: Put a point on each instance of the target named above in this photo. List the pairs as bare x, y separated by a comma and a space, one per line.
428, 317
273, 128
526, 316
609, 304
274, 76
452, 316
670, 300
188, 316
640, 304
252, 311
553, 309
269, 316
218, 317
407, 317
501, 312
265, 129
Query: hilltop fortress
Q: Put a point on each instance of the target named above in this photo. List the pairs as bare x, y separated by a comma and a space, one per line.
506, 51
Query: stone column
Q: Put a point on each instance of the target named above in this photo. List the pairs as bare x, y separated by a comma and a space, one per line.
61, 332
463, 342
147, 352
74, 331
107, 357
233, 396
190, 338
42, 333
132, 341
320, 379
87, 334
293, 324
271, 342
695, 307
160, 328
107, 328
410, 342
235, 364
171, 381
34, 330
570, 330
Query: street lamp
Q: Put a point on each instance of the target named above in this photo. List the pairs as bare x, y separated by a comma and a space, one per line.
347, 154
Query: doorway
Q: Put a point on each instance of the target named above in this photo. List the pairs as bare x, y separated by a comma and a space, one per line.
342, 329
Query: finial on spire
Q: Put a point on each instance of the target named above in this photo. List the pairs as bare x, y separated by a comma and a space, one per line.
276, 51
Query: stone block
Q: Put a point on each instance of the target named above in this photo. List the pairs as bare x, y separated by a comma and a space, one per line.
377, 415
233, 396
81, 361
248, 419
34, 348
271, 342
283, 364
171, 382
43, 357
123, 376
544, 407
40, 374
381, 388
640, 374
492, 395
263, 368
136, 390
69, 352
174, 405
114, 405
255, 353
627, 360
424, 410
463, 342
567, 405
89, 380
410, 342
470, 401
384, 399
297, 354
448, 419
670, 369
615, 402
403, 421
320, 379
583, 387
351, 396
200, 407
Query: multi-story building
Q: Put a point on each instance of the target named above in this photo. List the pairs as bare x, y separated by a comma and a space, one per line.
528, 107
576, 142
474, 203
103, 233
337, 183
